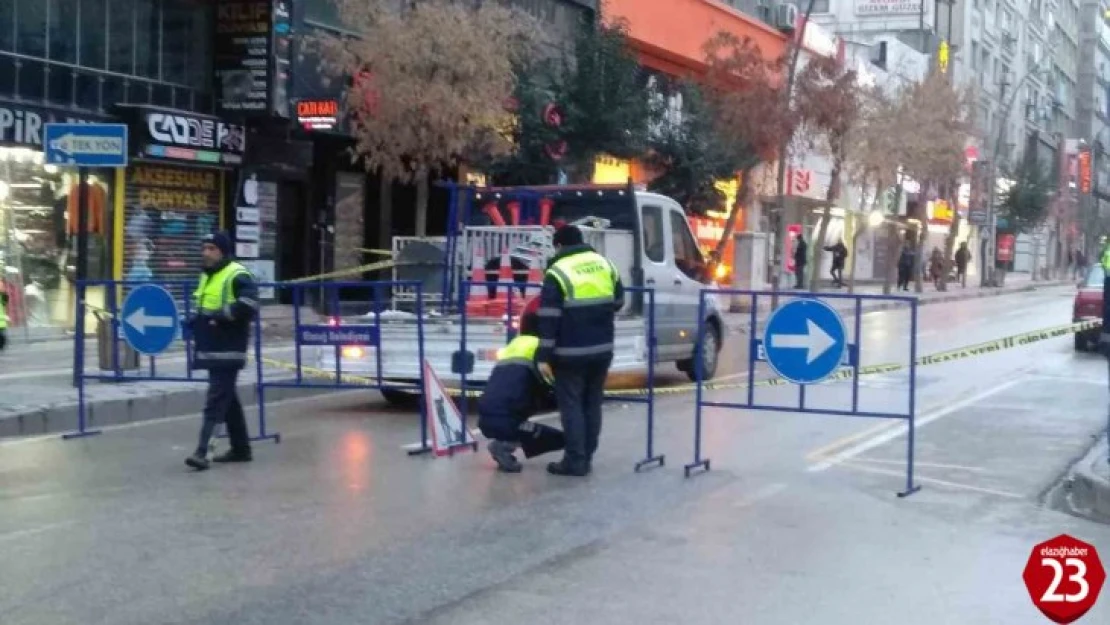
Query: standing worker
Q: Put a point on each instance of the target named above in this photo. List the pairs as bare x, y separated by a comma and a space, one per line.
581, 294
226, 301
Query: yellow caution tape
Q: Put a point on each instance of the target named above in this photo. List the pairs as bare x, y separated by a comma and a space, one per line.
961, 353
353, 271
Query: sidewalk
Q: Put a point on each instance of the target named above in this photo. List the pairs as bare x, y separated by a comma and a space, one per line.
738, 320
1090, 484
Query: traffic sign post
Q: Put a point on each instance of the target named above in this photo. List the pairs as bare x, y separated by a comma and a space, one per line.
1064, 576
150, 319
805, 341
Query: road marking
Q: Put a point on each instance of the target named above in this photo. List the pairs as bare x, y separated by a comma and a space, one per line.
855, 466
826, 450
1065, 378
36, 530
930, 465
901, 428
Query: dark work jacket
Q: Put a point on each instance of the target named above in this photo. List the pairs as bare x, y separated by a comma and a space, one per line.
563, 327
514, 392
223, 334
800, 253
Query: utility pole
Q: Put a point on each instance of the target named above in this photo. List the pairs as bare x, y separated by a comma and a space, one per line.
777, 231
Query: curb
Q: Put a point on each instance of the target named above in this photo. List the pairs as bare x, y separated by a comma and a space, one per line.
145, 405
1089, 484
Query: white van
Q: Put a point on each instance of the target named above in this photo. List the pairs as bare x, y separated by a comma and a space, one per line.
647, 237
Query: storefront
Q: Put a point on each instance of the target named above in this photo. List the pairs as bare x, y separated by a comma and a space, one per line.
172, 193
38, 221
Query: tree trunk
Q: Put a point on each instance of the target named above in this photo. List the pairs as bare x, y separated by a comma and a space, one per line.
818, 243
385, 213
919, 245
422, 202
856, 232
742, 199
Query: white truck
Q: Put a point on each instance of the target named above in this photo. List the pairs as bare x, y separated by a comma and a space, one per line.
646, 235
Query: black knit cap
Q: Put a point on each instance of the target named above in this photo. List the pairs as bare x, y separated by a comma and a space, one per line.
568, 235
220, 240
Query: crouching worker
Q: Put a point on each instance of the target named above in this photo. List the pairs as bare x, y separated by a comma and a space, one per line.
514, 392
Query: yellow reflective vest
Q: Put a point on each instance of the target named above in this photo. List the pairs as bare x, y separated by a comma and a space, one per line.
213, 296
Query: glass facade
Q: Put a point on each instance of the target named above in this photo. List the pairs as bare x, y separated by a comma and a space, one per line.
93, 54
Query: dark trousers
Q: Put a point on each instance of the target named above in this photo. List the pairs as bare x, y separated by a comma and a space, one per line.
3, 338
799, 276
580, 390
903, 277
535, 438
837, 273
221, 405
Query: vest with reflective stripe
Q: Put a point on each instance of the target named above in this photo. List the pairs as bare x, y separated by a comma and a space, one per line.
588, 282
1106, 259
3, 314
521, 350
213, 295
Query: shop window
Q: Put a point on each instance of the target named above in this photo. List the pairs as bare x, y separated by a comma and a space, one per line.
87, 91
323, 12
7, 74
30, 27
138, 92
59, 85
186, 43
94, 18
38, 239
655, 245
161, 95
147, 34
121, 36
113, 90
7, 26
63, 30
687, 257
32, 80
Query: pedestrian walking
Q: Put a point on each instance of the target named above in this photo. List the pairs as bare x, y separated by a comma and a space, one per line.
225, 303
839, 258
905, 268
581, 293
800, 250
936, 266
515, 391
963, 257
3, 315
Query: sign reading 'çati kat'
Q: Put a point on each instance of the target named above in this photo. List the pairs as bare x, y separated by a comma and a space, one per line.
317, 114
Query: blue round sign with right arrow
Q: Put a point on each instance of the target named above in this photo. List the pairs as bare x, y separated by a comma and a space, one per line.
805, 341
149, 319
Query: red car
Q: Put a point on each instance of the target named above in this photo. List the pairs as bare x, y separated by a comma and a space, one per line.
1088, 306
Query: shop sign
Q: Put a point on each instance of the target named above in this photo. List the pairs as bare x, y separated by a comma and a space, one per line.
253, 54
178, 136
1005, 248
317, 114
24, 125
1084, 160
888, 7
818, 40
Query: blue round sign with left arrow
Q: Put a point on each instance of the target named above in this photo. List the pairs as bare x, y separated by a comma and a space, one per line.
149, 319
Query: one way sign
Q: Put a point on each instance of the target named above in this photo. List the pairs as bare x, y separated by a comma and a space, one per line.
86, 145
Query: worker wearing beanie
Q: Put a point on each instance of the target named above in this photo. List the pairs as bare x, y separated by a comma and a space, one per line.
224, 304
581, 294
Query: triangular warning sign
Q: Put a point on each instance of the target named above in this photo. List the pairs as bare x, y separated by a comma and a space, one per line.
444, 420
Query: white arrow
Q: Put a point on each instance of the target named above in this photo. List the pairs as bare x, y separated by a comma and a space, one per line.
140, 321
815, 341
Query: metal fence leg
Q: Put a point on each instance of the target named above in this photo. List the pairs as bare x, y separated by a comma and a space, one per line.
911, 488
699, 465
651, 459
79, 369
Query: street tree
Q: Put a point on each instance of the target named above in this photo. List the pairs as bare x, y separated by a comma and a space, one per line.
743, 89
828, 102
692, 154
428, 83
1025, 204
936, 121
604, 101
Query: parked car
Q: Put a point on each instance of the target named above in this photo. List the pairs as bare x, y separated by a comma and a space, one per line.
1088, 306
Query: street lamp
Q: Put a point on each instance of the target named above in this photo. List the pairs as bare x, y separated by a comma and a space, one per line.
876, 218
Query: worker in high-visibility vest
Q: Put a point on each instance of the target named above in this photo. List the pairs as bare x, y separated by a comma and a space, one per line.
514, 392
225, 302
581, 294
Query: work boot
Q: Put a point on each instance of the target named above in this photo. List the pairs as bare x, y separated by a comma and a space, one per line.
502, 454
197, 461
233, 456
565, 468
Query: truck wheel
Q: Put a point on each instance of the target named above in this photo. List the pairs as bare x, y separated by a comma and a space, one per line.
711, 349
401, 399
1081, 343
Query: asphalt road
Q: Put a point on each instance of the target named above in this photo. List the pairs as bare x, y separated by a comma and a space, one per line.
796, 523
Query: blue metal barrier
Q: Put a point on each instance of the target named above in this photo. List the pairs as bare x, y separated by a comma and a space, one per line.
805, 342
339, 333
463, 361
172, 329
